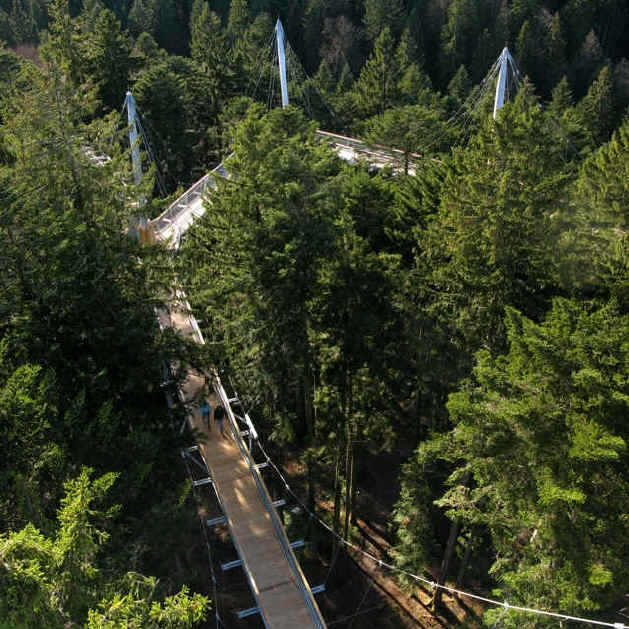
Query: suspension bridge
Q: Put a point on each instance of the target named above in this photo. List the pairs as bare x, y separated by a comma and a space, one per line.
281, 594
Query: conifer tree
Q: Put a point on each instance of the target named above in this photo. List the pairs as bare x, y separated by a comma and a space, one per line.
381, 15
412, 80
459, 35
601, 197
493, 229
588, 63
107, 53
143, 17
376, 89
346, 79
459, 86
59, 580
324, 78
536, 450
239, 19
598, 107
208, 44
562, 97
556, 49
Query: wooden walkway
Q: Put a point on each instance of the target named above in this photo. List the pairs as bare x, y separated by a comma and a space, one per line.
277, 582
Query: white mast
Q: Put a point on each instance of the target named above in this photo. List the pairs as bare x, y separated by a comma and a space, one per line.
281, 55
501, 86
133, 138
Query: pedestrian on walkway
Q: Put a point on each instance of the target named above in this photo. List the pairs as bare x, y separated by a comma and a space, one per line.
205, 412
219, 418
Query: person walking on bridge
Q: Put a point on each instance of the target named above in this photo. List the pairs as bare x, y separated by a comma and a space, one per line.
205, 412
219, 418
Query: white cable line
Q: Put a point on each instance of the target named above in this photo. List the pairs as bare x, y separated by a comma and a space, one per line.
262, 63
217, 615
434, 584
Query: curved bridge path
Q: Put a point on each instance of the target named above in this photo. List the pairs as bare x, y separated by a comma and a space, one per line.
283, 596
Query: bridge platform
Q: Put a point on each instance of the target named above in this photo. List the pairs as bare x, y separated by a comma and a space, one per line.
282, 593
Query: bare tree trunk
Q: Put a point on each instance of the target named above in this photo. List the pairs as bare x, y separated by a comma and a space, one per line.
349, 456
466, 559
337, 499
353, 485
435, 604
348, 473
455, 527
310, 424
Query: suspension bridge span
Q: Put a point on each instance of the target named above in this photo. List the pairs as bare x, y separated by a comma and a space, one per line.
172, 224
282, 594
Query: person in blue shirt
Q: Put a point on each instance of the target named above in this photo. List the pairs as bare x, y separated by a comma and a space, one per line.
205, 412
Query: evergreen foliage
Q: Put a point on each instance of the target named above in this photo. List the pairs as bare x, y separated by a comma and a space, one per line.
467, 304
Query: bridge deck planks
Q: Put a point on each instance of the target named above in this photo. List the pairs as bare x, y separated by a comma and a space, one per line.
252, 529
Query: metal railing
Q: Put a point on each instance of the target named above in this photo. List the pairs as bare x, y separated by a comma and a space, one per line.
383, 152
293, 562
169, 215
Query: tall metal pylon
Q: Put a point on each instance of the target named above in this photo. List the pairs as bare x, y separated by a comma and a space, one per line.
502, 86
281, 55
133, 137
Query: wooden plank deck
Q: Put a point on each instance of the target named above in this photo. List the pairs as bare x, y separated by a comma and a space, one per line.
276, 585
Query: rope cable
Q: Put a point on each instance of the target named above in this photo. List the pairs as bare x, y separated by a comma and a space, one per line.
262, 64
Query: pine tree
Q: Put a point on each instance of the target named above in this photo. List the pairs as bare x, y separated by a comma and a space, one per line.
562, 97
239, 19
324, 78
208, 44
412, 79
108, 59
604, 180
380, 16
377, 86
588, 63
459, 86
598, 107
526, 49
58, 580
346, 79
556, 47
601, 198
74, 311
491, 246
143, 17
553, 405
459, 36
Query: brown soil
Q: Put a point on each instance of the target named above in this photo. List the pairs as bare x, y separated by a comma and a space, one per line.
360, 593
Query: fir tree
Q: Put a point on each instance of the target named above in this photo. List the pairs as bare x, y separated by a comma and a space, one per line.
108, 59
598, 107
380, 15
239, 19
377, 86
459, 86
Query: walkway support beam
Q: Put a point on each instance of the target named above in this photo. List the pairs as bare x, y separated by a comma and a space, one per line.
281, 55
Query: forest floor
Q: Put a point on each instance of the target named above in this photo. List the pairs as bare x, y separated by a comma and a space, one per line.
359, 593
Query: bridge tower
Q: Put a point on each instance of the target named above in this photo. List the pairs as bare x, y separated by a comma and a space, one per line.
133, 137
281, 55
505, 61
